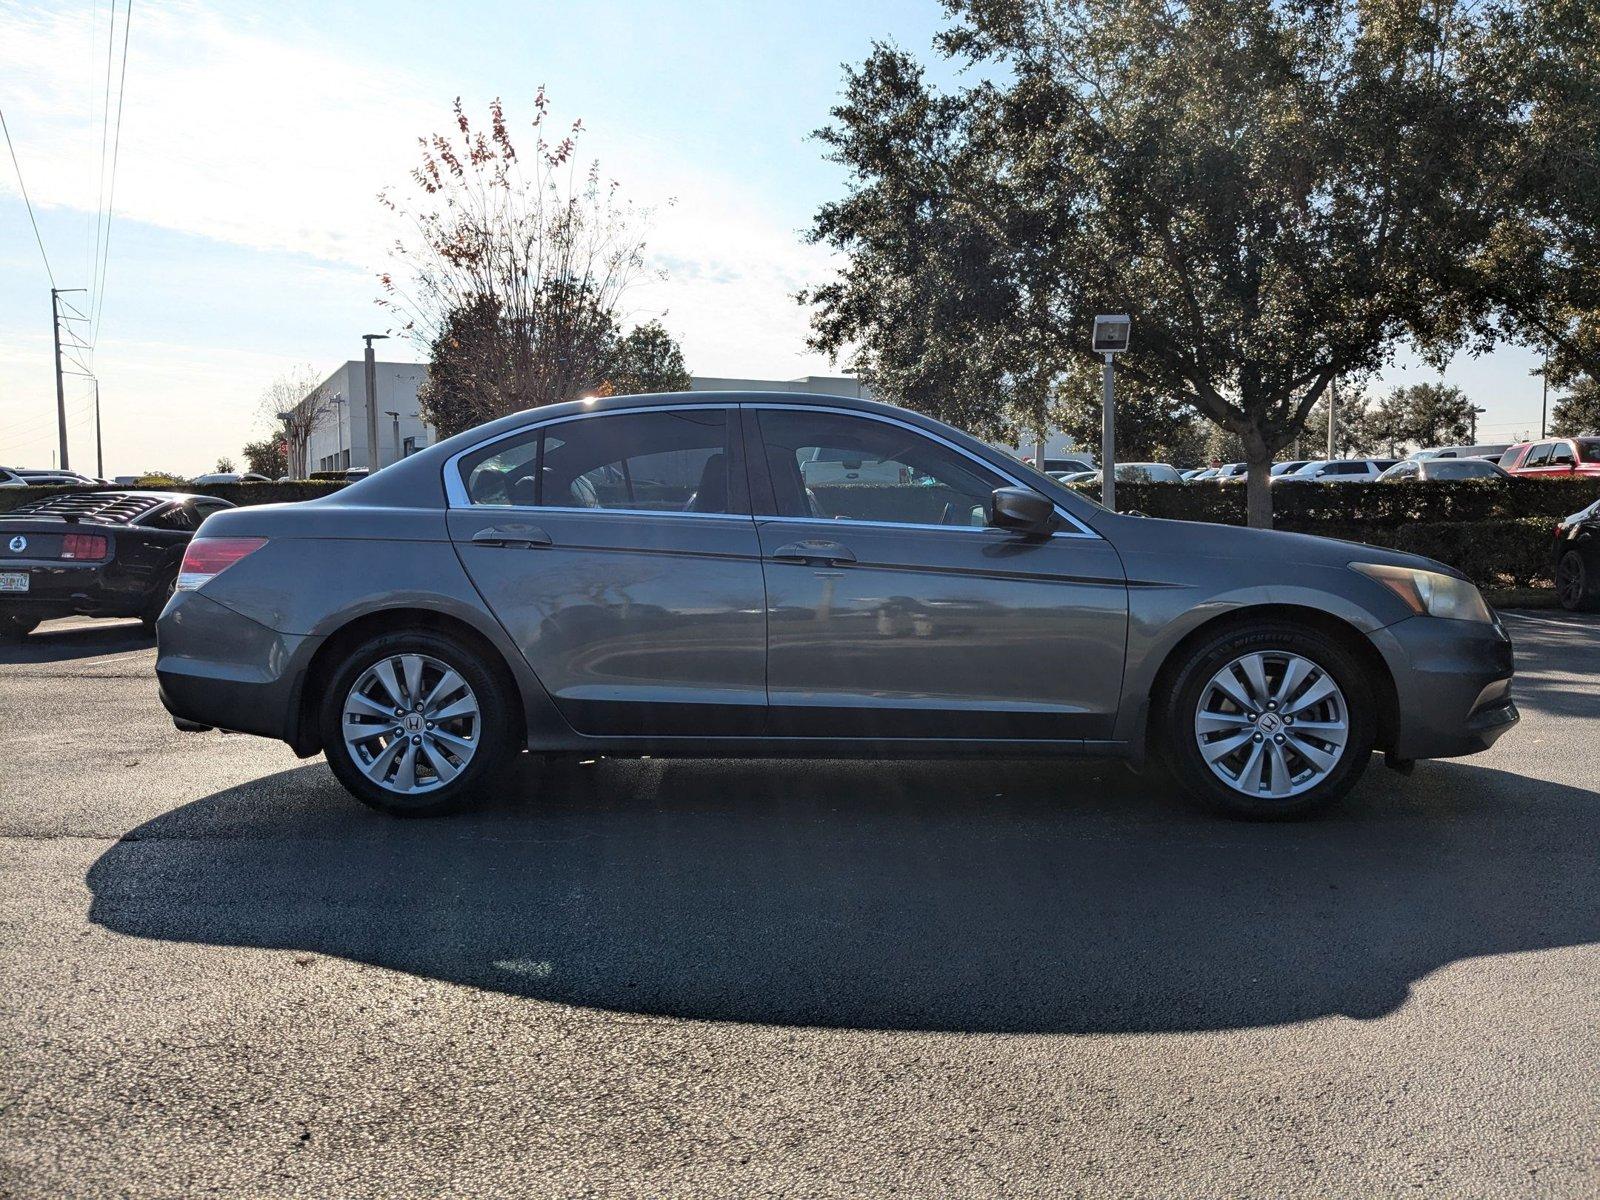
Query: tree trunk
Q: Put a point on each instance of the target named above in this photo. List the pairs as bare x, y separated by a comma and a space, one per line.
1258, 493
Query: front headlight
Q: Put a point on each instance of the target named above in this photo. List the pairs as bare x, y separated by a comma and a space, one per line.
1429, 592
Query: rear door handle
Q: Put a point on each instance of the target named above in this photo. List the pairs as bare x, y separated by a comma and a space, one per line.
514, 536
813, 550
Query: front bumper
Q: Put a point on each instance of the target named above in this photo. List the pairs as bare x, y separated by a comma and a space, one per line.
1452, 686
219, 669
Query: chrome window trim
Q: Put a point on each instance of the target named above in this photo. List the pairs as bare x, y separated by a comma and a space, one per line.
621, 512
1080, 530
456, 491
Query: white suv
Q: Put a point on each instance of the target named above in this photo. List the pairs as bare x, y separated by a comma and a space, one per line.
1339, 470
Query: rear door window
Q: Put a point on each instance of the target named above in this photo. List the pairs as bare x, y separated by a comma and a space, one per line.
663, 461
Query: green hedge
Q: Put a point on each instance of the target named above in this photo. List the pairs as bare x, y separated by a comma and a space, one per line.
234, 493
1389, 505
1495, 554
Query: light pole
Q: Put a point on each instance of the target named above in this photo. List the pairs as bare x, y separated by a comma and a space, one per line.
291, 449
374, 459
338, 420
1333, 416
1110, 339
395, 417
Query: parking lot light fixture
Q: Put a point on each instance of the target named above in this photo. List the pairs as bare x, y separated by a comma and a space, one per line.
1110, 339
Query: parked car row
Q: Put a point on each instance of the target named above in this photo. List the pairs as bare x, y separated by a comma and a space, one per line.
19, 477
1554, 457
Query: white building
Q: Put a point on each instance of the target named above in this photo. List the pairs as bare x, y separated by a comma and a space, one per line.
339, 442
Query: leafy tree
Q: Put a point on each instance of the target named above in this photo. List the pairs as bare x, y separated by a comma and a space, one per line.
1149, 428
225, 466
1541, 265
1278, 193
1353, 435
1578, 412
647, 360
1422, 414
514, 270
267, 457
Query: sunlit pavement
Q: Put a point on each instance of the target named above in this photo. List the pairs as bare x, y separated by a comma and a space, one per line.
676, 978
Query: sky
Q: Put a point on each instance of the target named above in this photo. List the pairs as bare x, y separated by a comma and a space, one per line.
246, 239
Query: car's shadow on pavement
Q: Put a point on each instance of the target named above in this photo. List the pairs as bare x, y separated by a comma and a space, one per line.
63, 641
949, 896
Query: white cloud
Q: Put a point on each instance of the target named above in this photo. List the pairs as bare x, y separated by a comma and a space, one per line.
271, 139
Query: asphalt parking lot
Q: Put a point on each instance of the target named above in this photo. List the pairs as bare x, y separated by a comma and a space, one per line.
650, 978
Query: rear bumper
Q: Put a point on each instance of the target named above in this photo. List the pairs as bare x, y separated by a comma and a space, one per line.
1452, 686
219, 669
68, 590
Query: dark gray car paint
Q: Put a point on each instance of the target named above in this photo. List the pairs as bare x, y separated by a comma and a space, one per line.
385, 543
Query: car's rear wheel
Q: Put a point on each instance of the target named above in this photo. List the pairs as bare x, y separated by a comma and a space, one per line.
1269, 722
1577, 582
14, 629
415, 724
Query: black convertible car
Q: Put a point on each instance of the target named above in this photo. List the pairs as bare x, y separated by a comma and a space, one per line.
97, 554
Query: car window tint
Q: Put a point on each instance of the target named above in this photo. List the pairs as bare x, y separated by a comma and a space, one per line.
649, 461
1561, 453
851, 468
179, 517
1539, 455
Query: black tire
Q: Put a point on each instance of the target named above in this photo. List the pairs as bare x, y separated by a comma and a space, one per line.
1577, 582
16, 629
1187, 687
496, 736
151, 612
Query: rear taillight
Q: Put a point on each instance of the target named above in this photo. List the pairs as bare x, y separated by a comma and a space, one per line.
83, 546
206, 558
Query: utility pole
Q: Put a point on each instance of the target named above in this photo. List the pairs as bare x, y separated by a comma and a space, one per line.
99, 456
1333, 415
1544, 394
61, 394
374, 459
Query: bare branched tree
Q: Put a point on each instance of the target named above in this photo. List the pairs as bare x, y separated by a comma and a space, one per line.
296, 405
513, 269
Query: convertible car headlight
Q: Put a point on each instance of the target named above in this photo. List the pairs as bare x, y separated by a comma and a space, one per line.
1429, 592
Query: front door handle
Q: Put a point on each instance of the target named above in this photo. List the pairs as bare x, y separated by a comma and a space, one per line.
813, 550
517, 536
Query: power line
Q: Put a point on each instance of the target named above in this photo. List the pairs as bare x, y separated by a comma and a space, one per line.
29, 203
105, 129
116, 148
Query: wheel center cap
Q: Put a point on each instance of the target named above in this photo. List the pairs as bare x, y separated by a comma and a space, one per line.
1269, 723
413, 722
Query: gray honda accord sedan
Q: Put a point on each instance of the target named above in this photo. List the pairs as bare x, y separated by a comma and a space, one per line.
761, 574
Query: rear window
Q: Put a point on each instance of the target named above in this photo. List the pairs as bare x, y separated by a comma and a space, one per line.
1588, 450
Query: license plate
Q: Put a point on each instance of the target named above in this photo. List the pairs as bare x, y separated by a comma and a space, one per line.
13, 581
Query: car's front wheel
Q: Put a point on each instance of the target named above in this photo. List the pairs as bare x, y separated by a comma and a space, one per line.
415, 724
1577, 583
1270, 722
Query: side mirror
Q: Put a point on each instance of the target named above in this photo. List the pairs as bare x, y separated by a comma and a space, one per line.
1022, 510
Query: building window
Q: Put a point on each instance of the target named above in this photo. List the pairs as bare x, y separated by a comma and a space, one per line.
408, 447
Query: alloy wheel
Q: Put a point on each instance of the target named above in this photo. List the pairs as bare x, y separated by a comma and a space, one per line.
1272, 724
411, 723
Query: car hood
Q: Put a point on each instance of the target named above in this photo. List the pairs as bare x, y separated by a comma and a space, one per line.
1202, 539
